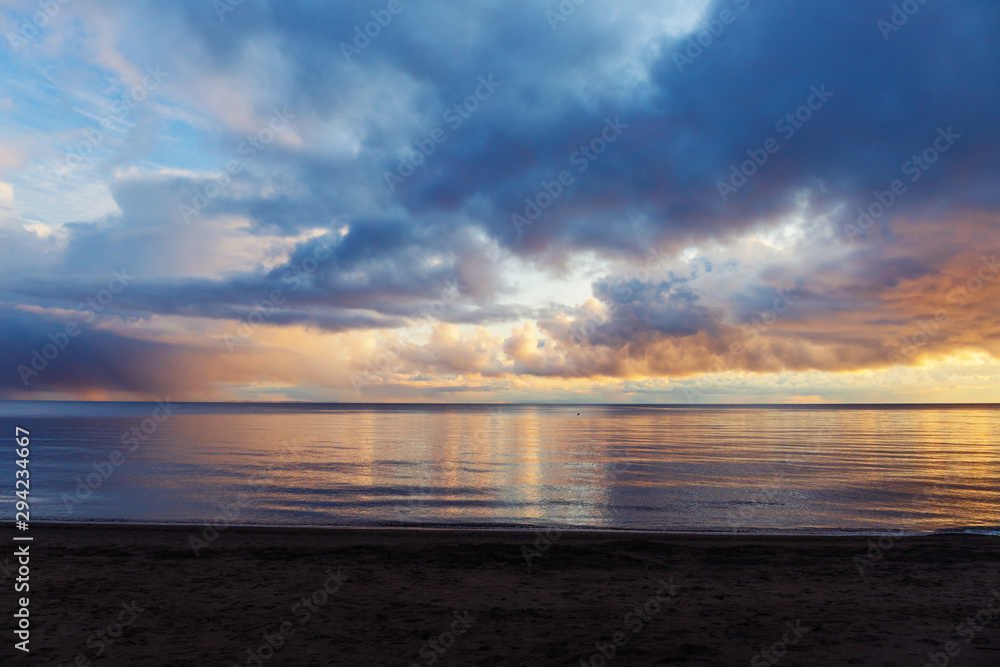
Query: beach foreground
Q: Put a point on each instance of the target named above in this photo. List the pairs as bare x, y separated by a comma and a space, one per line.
140, 596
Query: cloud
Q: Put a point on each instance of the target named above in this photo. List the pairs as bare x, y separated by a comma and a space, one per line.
309, 212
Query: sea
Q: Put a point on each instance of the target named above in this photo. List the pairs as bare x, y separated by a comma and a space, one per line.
789, 469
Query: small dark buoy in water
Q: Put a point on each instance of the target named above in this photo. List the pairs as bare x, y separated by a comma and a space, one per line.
577, 414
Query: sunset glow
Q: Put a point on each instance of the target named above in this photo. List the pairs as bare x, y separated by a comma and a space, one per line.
575, 209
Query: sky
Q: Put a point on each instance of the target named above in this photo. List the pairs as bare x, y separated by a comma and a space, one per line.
730, 201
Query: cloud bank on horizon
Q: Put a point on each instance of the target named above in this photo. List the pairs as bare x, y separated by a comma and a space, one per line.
690, 201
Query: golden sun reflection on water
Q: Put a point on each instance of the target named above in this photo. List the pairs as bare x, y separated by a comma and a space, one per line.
711, 469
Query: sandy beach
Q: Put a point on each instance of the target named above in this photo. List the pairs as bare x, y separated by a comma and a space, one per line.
141, 596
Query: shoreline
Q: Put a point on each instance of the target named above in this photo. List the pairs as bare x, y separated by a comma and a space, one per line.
984, 531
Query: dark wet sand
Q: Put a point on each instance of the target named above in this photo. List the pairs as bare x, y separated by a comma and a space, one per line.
734, 597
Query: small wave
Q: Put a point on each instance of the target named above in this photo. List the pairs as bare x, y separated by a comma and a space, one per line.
969, 530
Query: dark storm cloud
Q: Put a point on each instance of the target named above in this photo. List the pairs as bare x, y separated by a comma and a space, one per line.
685, 129
67, 355
685, 132
379, 277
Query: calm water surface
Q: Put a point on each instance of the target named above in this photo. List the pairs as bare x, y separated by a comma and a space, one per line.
706, 469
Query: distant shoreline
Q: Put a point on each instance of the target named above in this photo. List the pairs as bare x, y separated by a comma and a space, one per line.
802, 406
